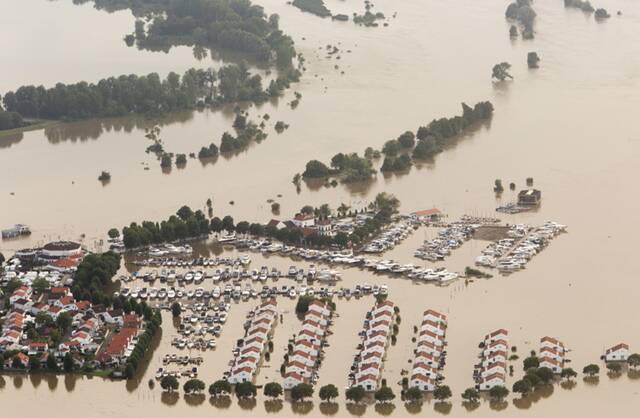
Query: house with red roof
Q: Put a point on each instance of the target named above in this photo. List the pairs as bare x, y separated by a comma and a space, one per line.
423, 382
619, 352
427, 215
292, 379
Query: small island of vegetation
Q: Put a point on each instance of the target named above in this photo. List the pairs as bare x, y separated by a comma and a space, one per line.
316, 7
368, 18
104, 177
583, 5
401, 152
522, 12
501, 71
533, 60
601, 14
235, 25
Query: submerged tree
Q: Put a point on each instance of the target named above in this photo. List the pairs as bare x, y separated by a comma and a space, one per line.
591, 370
501, 71
471, 395
533, 60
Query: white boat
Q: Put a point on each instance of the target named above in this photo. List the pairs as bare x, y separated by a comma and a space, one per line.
227, 237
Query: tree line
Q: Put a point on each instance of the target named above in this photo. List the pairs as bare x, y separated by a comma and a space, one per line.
127, 94
142, 346
400, 153
187, 224
10, 120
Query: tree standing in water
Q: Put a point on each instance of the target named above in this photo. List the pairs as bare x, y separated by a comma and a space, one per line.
501, 71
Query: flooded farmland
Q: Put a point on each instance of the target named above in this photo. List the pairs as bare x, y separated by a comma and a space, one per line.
569, 125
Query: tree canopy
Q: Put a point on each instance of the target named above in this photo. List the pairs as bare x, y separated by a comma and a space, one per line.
301, 391
246, 390
591, 369
498, 392
219, 387
355, 394
94, 274
127, 94
328, 392
273, 390
442, 393
470, 395
193, 386
384, 394
523, 13
501, 71
175, 228
234, 25
169, 383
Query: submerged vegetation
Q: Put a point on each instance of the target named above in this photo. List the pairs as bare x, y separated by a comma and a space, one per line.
368, 18
236, 25
104, 177
316, 7
583, 5
127, 94
533, 59
501, 71
522, 12
185, 224
399, 153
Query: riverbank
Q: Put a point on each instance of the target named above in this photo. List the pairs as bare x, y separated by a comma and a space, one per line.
35, 126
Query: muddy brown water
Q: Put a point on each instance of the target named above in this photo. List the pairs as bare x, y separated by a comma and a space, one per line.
569, 125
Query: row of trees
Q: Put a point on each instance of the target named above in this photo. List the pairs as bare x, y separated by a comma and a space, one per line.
185, 224
399, 153
143, 344
126, 94
10, 120
189, 224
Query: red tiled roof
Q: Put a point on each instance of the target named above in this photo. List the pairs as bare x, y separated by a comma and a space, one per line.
618, 347
427, 212
67, 262
435, 313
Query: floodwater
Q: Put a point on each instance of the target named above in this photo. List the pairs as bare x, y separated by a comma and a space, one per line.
568, 124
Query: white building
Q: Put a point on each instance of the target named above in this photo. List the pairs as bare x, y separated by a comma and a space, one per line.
618, 352
302, 220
